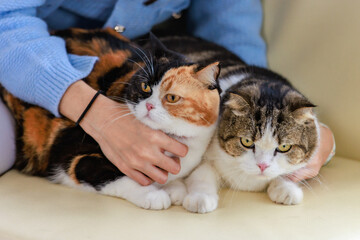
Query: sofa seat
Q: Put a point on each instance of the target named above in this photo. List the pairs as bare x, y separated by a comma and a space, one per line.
33, 208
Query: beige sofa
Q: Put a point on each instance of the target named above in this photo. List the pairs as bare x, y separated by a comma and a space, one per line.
316, 44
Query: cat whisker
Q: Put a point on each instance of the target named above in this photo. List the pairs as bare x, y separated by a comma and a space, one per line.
139, 66
121, 99
146, 60
115, 119
126, 83
204, 119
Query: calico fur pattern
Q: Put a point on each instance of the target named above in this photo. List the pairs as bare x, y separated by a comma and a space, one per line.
55, 148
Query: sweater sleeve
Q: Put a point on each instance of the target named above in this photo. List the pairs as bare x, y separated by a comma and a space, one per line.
35, 66
233, 24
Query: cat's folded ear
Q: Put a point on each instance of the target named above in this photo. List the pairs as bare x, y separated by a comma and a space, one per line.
209, 75
159, 50
302, 109
237, 104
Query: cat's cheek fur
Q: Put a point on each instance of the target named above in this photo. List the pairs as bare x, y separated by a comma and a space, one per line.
233, 171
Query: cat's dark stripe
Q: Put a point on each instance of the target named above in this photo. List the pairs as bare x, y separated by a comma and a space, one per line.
113, 42
102, 171
106, 81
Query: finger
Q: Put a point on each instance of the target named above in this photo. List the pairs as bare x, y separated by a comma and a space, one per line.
133, 173
302, 174
171, 145
155, 173
139, 177
119, 163
169, 164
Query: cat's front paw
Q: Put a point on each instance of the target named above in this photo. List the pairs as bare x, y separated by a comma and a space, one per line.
201, 202
285, 192
177, 192
157, 200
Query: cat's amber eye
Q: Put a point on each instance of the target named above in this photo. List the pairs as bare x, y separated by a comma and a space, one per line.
171, 98
247, 142
145, 87
284, 148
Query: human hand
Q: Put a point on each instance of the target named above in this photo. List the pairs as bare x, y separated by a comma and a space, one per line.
137, 150
313, 167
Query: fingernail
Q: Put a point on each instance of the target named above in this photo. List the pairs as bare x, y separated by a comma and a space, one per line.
176, 170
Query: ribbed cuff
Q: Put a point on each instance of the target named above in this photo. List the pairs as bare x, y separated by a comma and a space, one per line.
54, 81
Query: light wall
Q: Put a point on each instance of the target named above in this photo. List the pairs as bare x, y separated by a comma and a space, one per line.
317, 47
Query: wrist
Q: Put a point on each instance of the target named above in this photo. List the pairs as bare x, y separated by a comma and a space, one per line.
75, 100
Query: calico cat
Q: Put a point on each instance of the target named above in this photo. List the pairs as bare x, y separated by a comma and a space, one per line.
185, 104
267, 130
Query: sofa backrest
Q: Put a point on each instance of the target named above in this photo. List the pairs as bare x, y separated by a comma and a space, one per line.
316, 45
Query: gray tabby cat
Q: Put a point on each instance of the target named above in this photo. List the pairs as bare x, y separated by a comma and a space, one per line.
267, 130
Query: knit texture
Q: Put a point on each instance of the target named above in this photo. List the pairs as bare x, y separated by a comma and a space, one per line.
35, 67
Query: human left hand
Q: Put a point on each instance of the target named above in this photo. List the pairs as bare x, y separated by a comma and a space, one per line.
313, 167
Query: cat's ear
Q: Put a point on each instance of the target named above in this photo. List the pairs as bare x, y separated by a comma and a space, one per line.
237, 104
159, 50
209, 75
302, 109
303, 114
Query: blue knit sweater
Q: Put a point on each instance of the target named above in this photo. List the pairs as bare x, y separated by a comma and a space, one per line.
35, 67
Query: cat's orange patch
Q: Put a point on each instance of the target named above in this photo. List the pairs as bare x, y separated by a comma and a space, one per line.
118, 86
71, 170
95, 47
199, 105
39, 133
105, 64
14, 104
74, 162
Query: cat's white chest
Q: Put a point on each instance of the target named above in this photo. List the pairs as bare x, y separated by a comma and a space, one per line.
196, 148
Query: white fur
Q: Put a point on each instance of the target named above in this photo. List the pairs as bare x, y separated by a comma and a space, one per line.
226, 83
202, 189
242, 173
284, 191
61, 177
156, 196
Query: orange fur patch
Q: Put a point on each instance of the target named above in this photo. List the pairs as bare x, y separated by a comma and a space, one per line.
105, 64
39, 133
199, 105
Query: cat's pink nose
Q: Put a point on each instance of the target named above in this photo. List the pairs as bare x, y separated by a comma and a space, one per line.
149, 106
262, 166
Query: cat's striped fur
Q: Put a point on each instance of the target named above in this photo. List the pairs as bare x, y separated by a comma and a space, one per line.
258, 107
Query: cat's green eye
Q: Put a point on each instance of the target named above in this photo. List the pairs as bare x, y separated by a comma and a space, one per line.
145, 87
171, 98
284, 148
247, 142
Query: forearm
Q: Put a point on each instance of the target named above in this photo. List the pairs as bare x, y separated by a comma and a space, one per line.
35, 66
76, 99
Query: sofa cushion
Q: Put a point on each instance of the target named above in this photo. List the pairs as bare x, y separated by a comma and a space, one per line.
33, 208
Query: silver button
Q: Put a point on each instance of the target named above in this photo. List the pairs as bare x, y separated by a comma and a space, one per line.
176, 15
119, 28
